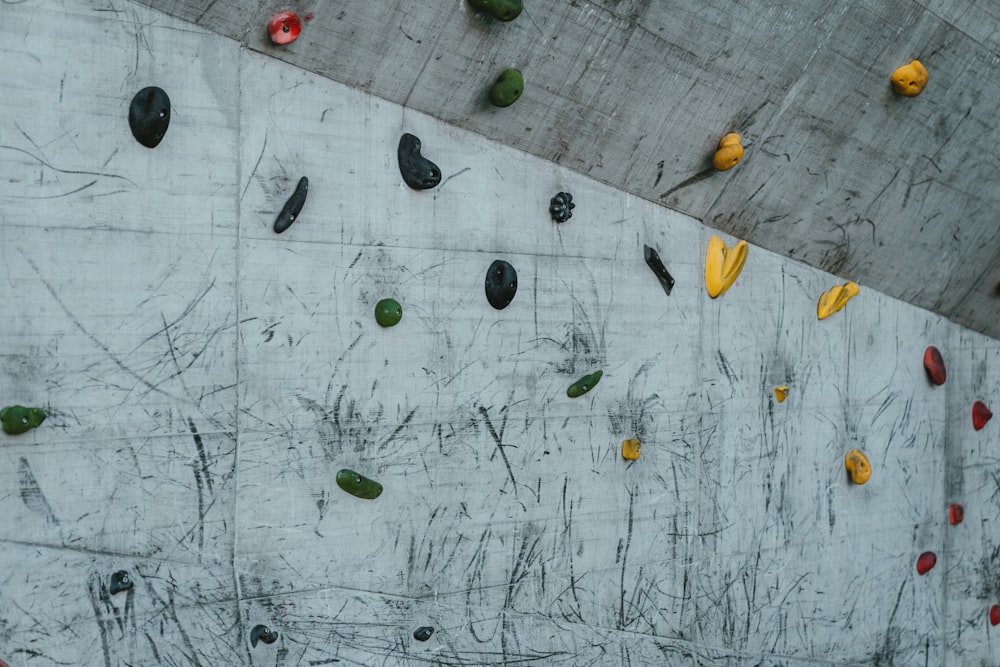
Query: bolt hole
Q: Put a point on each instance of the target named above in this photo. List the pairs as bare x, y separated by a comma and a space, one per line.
24, 420
285, 28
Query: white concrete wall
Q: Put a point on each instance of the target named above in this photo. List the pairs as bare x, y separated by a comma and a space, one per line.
206, 378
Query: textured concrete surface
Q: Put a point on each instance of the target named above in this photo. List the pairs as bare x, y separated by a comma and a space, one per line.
205, 379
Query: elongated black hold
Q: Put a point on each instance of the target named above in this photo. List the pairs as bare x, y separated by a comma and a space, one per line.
263, 634
423, 633
120, 581
149, 116
418, 172
501, 284
292, 207
653, 262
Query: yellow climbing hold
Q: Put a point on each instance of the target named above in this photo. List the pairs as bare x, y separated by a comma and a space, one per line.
723, 265
630, 449
835, 299
858, 466
910, 80
729, 154
781, 393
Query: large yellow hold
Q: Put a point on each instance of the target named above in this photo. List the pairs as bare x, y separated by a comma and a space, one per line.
835, 299
723, 265
729, 154
910, 80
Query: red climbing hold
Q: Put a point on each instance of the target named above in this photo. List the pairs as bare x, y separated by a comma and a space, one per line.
926, 561
934, 365
284, 28
995, 614
980, 415
955, 514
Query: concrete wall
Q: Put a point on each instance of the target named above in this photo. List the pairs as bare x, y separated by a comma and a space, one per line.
205, 379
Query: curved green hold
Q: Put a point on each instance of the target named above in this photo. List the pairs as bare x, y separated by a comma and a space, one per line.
507, 89
388, 312
358, 485
504, 10
584, 384
17, 419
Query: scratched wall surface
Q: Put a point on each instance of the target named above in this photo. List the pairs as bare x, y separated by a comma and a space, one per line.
205, 379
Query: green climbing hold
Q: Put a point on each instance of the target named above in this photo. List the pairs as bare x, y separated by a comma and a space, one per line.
388, 312
505, 10
584, 384
507, 89
19, 419
358, 485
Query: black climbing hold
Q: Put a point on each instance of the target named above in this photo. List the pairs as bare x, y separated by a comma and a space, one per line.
292, 207
653, 262
561, 207
423, 633
418, 172
120, 581
501, 284
262, 633
149, 116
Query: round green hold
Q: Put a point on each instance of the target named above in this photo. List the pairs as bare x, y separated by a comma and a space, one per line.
504, 10
358, 485
584, 384
388, 312
17, 419
507, 89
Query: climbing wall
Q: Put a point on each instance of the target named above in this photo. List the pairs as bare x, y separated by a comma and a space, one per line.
206, 378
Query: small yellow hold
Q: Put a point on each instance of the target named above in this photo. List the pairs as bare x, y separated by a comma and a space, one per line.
910, 80
630, 449
835, 299
723, 265
781, 393
729, 154
858, 466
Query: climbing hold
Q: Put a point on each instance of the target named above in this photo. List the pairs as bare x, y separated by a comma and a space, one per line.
835, 299
505, 10
149, 116
631, 449
501, 284
284, 28
656, 265
509, 86
781, 393
418, 172
934, 365
561, 207
980, 415
423, 633
120, 581
955, 514
909, 80
262, 633
858, 466
388, 312
290, 211
723, 265
18, 419
729, 154
995, 614
926, 562
358, 485
584, 384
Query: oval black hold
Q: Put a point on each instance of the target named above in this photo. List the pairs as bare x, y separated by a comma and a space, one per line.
149, 116
501, 284
292, 207
418, 172
423, 633
262, 633
120, 581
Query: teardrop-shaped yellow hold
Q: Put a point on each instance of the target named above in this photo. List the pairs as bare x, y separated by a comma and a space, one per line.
723, 265
835, 299
858, 466
910, 80
631, 449
781, 393
729, 154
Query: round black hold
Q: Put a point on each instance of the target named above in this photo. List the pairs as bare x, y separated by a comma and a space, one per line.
561, 207
418, 172
501, 284
263, 634
120, 581
149, 116
290, 211
423, 633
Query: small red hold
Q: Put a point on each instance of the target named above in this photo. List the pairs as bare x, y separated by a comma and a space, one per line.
995, 614
955, 514
925, 562
980, 415
284, 28
934, 365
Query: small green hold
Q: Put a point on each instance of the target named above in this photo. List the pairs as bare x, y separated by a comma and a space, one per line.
507, 89
584, 384
358, 485
18, 419
388, 312
504, 10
